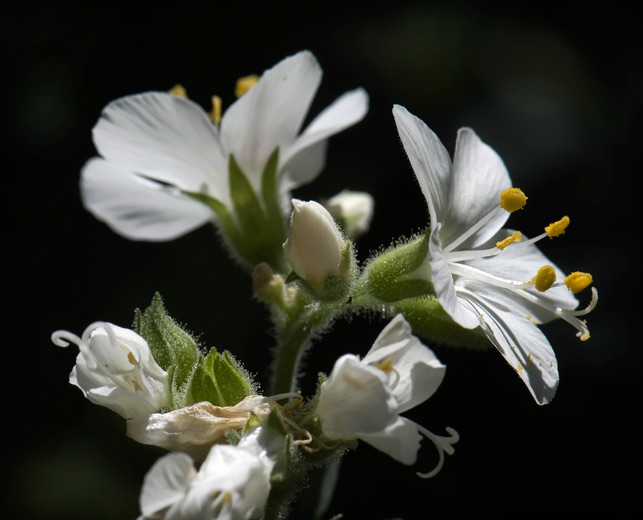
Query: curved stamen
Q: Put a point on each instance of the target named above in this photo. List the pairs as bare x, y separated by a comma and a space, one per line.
443, 444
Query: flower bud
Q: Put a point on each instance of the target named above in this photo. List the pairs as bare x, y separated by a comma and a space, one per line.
315, 246
353, 209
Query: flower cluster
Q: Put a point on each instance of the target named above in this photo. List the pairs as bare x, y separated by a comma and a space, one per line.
166, 166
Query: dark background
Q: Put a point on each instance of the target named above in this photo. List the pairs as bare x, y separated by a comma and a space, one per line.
556, 91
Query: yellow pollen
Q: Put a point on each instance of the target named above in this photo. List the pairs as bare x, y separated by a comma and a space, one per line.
577, 281
386, 365
512, 199
178, 90
215, 115
244, 84
516, 237
545, 278
557, 228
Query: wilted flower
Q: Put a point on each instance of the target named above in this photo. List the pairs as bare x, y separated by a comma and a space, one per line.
363, 398
115, 369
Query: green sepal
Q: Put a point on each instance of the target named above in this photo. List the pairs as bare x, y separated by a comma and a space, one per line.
172, 348
396, 273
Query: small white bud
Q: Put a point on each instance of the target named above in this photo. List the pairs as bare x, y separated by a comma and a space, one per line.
353, 209
315, 246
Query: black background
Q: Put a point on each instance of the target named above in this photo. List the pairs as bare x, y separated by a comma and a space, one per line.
556, 91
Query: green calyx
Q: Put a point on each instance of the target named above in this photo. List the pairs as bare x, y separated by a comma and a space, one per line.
193, 377
254, 227
400, 272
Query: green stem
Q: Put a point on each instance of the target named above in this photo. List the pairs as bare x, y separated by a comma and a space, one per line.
294, 338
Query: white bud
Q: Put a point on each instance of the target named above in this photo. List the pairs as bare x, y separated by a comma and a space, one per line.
315, 246
354, 209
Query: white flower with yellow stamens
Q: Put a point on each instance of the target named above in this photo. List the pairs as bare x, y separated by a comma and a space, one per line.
160, 151
484, 275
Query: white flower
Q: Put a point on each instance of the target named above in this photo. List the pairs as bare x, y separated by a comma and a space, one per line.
315, 246
363, 398
354, 209
484, 275
233, 483
155, 147
115, 369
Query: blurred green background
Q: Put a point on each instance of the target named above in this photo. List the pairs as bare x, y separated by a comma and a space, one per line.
555, 91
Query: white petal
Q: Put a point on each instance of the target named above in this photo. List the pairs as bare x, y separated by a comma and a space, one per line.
429, 159
443, 285
399, 440
478, 178
354, 399
164, 137
418, 372
523, 346
137, 208
166, 483
345, 111
271, 113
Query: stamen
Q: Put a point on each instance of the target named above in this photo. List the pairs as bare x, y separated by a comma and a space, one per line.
545, 278
515, 237
244, 84
578, 281
178, 90
443, 444
557, 228
215, 115
513, 199
385, 366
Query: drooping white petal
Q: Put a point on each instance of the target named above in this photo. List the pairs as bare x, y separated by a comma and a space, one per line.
443, 284
166, 138
137, 208
400, 440
429, 159
354, 399
478, 178
345, 111
522, 344
418, 372
166, 482
271, 113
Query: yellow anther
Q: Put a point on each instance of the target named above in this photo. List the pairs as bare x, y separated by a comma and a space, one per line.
545, 278
178, 90
515, 237
215, 115
557, 228
577, 281
244, 84
131, 358
512, 199
386, 365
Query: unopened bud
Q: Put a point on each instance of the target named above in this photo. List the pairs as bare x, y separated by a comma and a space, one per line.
315, 246
353, 209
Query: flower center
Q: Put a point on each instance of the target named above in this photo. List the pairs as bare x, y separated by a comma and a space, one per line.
512, 200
